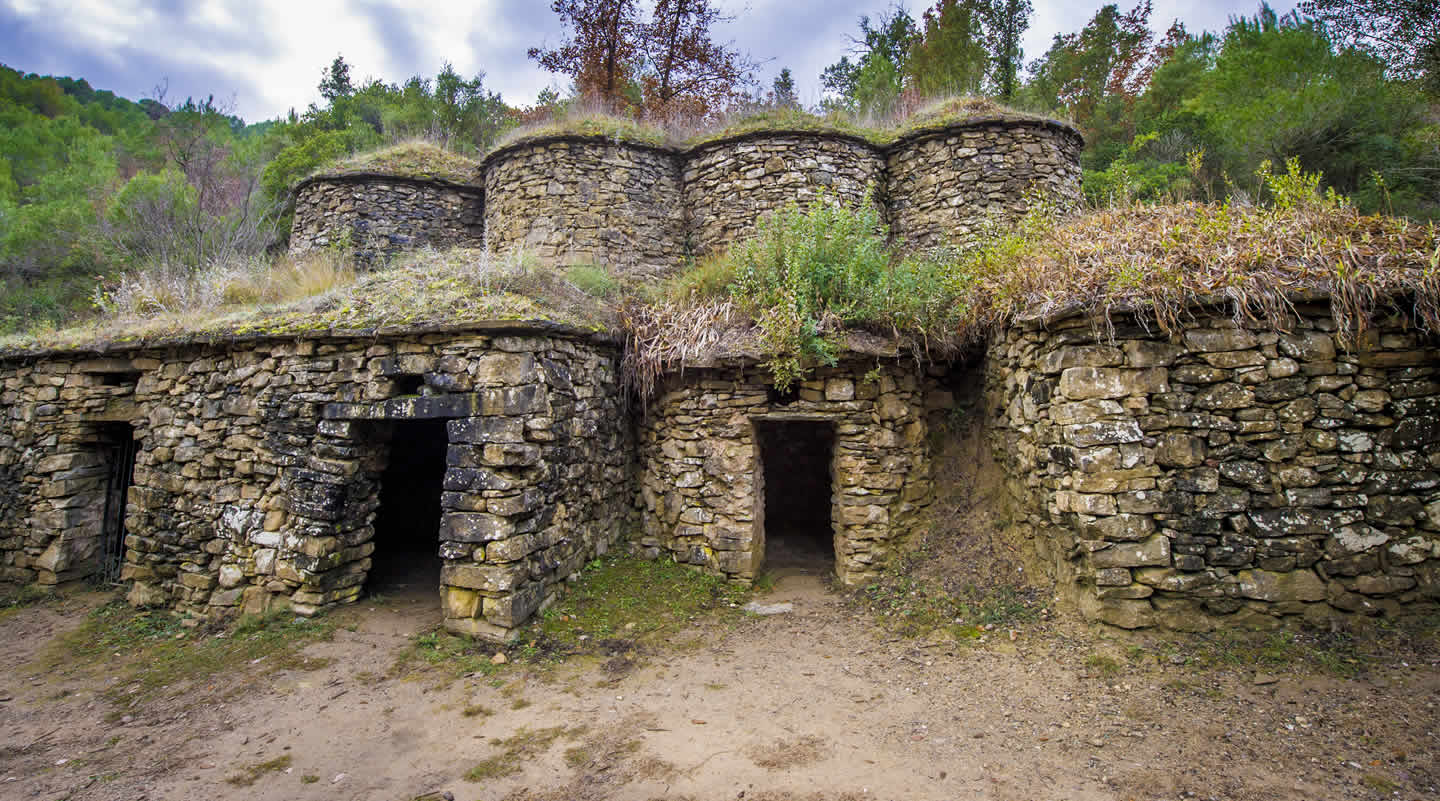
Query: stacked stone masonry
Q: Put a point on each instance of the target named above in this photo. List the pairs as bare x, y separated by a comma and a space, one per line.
643, 210
371, 217
257, 467
1232, 476
592, 202
944, 187
730, 186
701, 483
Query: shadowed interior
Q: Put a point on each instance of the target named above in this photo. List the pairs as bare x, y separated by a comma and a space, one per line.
797, 457
407, 560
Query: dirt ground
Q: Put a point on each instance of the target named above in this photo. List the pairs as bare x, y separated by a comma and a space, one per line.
816, 703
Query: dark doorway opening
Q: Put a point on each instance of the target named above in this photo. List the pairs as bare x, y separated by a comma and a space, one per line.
406, 562
117, 443
796, 461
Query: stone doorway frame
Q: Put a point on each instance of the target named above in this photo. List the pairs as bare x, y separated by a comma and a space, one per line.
491, 507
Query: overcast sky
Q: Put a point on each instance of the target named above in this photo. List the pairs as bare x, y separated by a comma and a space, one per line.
267, 55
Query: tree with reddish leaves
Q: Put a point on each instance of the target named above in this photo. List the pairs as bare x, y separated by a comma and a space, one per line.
601, 50
667, 68
1095, 76
686, 73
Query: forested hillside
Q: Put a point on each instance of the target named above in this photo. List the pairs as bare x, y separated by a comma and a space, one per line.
94, 186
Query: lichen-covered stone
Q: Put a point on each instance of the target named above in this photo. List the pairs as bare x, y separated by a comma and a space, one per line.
376, 216
582, 201
1270, 462
258, 466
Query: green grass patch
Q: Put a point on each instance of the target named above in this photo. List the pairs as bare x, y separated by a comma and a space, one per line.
446, 656
1347, 651
608, 126
518, 749
593, 280
787, 119
635, 600
153, 655
252, 773
917, 607
15, 598
1103, 665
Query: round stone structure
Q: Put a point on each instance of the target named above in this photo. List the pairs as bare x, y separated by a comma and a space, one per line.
731, 184
945, 184
572, 200
373, 215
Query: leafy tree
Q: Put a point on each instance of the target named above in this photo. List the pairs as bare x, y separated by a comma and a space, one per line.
872, 84
335, 80
1404, 34
783, 90
1095, 77
1005, 24
600, 49
1279, 89
686, 73
950, 54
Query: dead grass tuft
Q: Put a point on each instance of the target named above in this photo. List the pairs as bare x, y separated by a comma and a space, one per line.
248, 775
320, 293
412, 159
1155, 262
792, 753
1162, 260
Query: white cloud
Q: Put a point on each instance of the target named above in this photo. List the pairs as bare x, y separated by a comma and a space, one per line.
269, 54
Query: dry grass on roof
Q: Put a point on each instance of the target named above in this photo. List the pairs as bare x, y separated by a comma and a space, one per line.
787, 298
615, 127
320, 294
1163, 260
415, 159
595, 121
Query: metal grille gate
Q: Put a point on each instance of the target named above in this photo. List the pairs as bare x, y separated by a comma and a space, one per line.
120, 458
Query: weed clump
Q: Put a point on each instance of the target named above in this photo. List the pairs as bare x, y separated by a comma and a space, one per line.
807, 276
252, 773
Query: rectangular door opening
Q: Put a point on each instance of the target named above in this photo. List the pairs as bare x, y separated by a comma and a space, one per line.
406, 562
796, 458
117, 444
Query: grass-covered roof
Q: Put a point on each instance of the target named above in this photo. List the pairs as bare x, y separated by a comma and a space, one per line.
418, 160
319, 296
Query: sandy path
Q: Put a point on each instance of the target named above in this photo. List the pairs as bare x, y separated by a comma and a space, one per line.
813, 703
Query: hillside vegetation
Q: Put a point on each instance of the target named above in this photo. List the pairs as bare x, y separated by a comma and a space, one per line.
95, 188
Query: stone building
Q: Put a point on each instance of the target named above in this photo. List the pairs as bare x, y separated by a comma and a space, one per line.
1231, 476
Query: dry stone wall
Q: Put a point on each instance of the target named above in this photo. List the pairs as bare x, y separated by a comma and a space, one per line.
701, 482
945, 186
642, 210
1232, 476
375, 216
255, 478
731, 185
587, 201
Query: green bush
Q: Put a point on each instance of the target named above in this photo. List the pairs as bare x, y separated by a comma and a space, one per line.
810, 273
